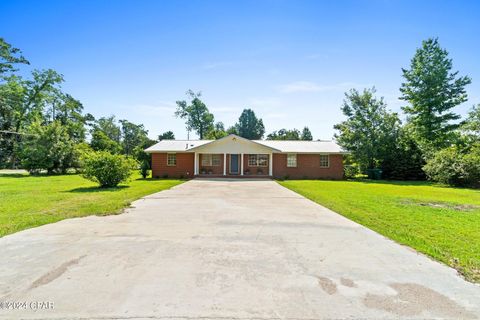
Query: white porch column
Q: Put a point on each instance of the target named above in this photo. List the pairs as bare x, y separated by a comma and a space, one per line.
270, 165
195, 163
224, 164
241, 165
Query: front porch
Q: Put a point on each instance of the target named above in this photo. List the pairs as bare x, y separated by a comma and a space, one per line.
233, 165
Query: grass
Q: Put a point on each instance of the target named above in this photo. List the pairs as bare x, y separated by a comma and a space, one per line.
31, 201
441, 222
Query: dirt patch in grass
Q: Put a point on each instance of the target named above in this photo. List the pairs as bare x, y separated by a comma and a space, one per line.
442, 205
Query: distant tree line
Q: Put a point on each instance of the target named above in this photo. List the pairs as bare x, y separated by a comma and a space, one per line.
199, 119
433, 142
44, 129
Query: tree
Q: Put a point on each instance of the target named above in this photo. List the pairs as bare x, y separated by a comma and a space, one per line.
101, 142
196, 114
470, 128
168, 135
47, 147
69, 113
9, 56
110, 127
370, 131
23, 102
284, 134
249, 126
306, 134
218, 132
133, 135
432, 90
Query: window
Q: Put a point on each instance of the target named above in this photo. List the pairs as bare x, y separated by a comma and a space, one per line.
324, 161
258, 160
291, 160
171, 159
210, 160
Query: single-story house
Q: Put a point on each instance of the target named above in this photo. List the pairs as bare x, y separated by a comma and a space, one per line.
237, 156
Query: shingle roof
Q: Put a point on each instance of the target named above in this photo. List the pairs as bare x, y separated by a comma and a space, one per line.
296, 146
281, 145
176, 145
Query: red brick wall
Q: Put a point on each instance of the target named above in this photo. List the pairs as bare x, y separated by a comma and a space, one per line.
183, 168
215, 169
308, 166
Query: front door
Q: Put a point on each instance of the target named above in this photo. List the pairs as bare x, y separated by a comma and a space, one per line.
234, 163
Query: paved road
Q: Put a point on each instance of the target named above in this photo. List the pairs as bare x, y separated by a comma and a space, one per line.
219, 249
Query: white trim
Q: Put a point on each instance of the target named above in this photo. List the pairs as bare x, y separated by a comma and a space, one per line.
292, 155
195, 163
270, 165
175, 159
224, 164
320, 159
241, 164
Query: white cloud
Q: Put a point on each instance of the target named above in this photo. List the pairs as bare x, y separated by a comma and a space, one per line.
307, 86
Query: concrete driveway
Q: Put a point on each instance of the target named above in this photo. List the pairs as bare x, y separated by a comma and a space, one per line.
219, 249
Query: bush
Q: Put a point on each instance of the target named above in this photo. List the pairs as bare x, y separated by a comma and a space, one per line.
350, 171
107, 169
145, 169
454, 167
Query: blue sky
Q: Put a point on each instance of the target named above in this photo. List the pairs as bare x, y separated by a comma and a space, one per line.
290, 61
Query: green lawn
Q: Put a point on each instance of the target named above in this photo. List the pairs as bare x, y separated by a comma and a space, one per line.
441, 222
30, 201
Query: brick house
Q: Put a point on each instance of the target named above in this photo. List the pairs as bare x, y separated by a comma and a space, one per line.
240, 157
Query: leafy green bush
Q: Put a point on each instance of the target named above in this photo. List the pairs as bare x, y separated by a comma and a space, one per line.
455, 167
107, 169
145, 169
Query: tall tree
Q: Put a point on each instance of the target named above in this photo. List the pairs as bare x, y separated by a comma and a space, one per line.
110, 127
432, 90
196, 114
471, 126
249, 126
370, 130
167, 135
307, 134
285, 134
133, 135
47, 147
23, 102
218, 132
9, 56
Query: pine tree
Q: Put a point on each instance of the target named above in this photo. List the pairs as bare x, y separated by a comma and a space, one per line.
432, 91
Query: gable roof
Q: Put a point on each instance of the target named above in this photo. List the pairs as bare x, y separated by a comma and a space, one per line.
290, 146
234, 137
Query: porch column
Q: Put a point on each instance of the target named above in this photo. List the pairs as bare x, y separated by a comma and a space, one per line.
241, 165
195, 163
270, 165
224, 164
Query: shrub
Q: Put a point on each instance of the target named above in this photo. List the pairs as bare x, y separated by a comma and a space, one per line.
454, 167
107, 169
145, 169
350, 171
